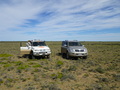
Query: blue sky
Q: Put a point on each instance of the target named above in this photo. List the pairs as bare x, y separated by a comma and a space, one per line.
57, 20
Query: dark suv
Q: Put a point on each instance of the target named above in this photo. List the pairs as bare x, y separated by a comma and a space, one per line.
73, 49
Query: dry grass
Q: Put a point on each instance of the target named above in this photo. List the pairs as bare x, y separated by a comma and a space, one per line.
101, 71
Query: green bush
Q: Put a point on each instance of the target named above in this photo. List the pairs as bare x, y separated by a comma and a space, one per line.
100, 70
5, 55
7, 65
23, 67
59, 63
53, 76
38, 65
59, 75
72, 68
1, 81
18, 62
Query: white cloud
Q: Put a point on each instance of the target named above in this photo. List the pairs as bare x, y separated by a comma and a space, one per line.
56, 16
16, 13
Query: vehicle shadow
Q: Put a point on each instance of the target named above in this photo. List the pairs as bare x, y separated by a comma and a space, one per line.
58, 54
64, 57
28, 57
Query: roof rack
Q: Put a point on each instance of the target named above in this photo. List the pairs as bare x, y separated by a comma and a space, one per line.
35, 40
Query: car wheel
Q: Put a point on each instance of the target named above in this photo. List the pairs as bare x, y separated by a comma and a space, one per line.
31, 55
48, 56
76, 58
67, 56
63, 55
85, 57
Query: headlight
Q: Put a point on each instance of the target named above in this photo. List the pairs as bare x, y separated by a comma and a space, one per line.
36, 50
71, 50
85, 50
41, 50
47, 49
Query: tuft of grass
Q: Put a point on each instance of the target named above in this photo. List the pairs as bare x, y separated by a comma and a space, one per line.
3, 62
86, 75
23, 67
53, 87
18, 63
7, 65
54, 76
37, 65
59, 75
67, 77
72, 68
10, 80
31, 63
1, 81
5, 55
100, 70
4, 58
37, 70
59, 63
116, 77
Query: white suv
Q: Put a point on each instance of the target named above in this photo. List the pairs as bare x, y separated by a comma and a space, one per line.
36, 48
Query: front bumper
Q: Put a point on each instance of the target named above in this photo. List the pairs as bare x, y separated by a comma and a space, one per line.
76, 54
41, 53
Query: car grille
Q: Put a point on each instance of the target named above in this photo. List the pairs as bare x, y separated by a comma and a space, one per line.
79, 50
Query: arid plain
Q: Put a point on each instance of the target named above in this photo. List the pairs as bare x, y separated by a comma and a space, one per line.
100, 71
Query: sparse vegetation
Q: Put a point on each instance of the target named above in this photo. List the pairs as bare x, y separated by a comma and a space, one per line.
100, 71
5, 55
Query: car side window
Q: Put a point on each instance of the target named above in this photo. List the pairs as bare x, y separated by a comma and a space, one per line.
64, 43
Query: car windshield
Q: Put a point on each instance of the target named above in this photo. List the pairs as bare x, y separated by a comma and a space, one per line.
75, 44
39, 44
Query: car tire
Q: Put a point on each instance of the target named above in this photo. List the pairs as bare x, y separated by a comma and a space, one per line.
48, 56
31, 56
67, 56
63, 55
85, 57
76, 58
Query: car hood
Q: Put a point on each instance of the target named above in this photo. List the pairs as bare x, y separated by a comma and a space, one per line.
41, 47
77, 47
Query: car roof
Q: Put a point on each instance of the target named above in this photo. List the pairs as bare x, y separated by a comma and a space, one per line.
71, 41
35, 41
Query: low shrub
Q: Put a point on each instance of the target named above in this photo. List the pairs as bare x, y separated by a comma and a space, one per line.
116, 77
59, 75
23, 67
38, 65
18, 63
1, 81
100, 70
7, 65
59, 63
54, 76
86, 75
72, 68
5, 55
